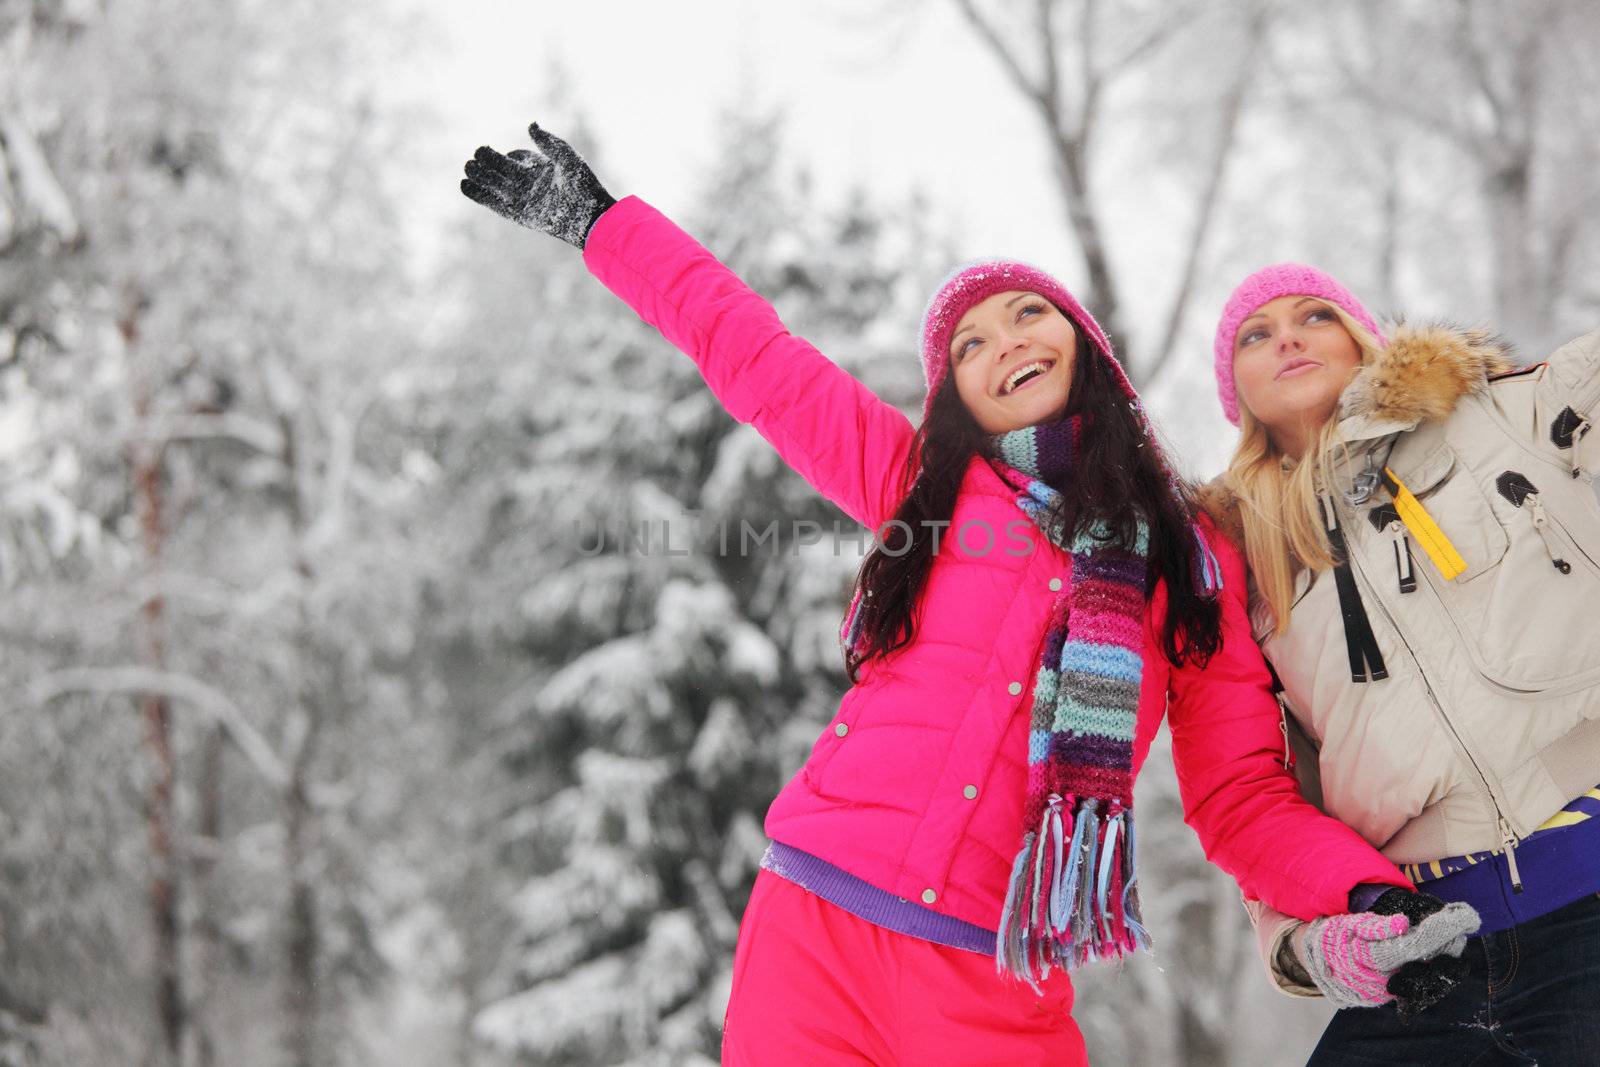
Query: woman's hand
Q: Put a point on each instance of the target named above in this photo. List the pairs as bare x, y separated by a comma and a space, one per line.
1407, 948
552, 190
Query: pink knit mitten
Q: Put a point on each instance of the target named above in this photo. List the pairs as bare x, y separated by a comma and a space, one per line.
1351, 957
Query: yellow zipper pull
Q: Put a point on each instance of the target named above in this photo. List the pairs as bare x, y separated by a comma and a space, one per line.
1424, 529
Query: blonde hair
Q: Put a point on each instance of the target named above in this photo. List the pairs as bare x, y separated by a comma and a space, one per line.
1283, 523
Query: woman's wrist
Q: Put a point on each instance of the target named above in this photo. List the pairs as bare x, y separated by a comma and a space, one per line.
604, 203
1289, 961
1365, 895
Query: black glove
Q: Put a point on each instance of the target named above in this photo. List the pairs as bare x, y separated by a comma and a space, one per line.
1419, 985
552, 191
1408, 902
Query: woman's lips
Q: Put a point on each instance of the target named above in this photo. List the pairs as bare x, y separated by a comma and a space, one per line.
1048, 365
1296, 366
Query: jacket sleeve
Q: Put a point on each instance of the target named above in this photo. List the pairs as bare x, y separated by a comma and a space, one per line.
1227, 744
1272, 929
1567, 402
851, 446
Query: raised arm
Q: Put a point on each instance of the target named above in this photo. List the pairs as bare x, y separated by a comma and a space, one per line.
1568, 400
847, 443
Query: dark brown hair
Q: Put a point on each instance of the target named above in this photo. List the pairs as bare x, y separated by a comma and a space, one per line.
1121, 479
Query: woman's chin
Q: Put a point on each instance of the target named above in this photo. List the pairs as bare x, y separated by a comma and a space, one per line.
1021, 411
1040, 409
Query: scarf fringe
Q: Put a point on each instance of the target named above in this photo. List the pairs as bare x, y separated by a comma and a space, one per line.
1073, 894
1209, 578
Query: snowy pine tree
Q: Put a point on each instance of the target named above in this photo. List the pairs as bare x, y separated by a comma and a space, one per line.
652, 703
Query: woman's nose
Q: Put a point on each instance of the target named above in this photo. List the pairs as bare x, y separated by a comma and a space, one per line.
1289, 340
1006, 343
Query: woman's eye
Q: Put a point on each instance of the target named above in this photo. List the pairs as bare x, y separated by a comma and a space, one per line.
967, 346
1320, 315
1031, 309
1252, 337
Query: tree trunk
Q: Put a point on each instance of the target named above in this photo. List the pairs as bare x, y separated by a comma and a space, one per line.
303, 944
1102, 295
1514, 274
156, 711
1393, 209
301, 1006
207, 919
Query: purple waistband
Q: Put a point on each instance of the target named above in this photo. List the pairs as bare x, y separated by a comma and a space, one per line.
1557, 866
877, 906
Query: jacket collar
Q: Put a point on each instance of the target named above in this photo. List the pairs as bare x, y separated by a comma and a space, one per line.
1420, 377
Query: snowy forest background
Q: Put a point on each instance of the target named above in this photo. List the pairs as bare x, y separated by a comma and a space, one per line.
324, 742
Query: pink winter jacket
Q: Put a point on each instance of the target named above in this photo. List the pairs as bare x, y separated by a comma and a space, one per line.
917, 784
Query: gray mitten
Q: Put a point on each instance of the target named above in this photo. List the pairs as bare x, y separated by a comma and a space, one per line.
1352, 958
552, 191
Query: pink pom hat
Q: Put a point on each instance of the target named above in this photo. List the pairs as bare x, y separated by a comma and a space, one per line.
1262, 287
973, 283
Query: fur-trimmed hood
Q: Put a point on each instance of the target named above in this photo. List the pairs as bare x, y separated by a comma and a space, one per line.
1419, 377
1423, 374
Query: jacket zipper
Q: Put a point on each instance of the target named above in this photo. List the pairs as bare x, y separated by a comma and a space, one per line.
1508, 841
1507, 838
1519, 489
1541, 523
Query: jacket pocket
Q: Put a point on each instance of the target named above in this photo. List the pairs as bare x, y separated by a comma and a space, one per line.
1462, 512
1523, 610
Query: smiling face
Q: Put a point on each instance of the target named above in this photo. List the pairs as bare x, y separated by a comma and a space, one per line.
1291, 360
1012, 357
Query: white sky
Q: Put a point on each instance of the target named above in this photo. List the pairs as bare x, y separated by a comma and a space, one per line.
894, 103
906, 99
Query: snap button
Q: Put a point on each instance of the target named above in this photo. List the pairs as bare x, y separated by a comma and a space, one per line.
1055, 585
841, 729
1014, 688
970, 792
929, 896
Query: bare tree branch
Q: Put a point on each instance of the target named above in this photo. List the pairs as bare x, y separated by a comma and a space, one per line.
245, 429
1008, 59
1050, 87
1068, 155
1093, 82
36, 183
1205, 210
1142, 46
182, 688
1405, 104
1478, 65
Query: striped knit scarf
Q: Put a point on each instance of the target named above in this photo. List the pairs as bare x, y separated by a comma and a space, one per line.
1072, 895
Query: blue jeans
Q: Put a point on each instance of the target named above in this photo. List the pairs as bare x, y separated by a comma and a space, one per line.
1531, 995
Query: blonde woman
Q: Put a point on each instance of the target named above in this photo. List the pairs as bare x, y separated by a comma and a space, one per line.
1423, 538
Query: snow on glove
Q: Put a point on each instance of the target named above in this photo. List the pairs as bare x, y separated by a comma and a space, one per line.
1420, 984
1352, 958
552, 190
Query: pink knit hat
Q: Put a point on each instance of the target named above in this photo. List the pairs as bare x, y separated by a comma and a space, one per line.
1265, 285
974, 283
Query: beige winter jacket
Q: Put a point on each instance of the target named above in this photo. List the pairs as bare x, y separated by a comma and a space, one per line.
1489, 720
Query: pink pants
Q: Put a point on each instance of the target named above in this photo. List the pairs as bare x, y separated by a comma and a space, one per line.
814, 985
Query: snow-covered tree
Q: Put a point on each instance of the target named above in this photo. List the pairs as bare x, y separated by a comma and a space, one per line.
654, 693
